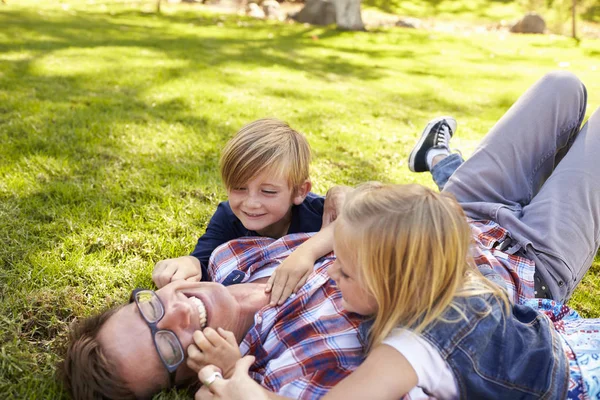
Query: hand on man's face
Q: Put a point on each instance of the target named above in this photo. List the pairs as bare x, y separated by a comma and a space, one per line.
217, 347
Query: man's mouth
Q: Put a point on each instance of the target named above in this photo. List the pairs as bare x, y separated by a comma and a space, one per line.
201, 310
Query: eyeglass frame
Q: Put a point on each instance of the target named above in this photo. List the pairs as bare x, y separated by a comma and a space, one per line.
154, 330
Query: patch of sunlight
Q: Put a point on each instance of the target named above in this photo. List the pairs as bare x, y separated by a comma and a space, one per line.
98, 60
16, 56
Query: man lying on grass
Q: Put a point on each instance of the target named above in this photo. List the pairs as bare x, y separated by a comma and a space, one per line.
302, 347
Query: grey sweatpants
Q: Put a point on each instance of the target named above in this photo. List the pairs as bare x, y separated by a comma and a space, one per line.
538, 175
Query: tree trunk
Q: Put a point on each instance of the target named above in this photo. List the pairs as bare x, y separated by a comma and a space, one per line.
347, 15
574, 16
344, 13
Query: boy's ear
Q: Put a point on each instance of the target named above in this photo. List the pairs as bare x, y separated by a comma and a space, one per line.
301, 192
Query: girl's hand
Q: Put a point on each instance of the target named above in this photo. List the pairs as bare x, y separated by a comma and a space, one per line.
239, 387
289, 277
216, 347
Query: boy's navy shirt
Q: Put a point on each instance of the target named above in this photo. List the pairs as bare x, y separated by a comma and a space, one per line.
225, 226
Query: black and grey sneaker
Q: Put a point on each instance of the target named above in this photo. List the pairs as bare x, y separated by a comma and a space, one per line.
436, 135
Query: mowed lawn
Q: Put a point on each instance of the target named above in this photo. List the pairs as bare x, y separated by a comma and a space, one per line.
112, 119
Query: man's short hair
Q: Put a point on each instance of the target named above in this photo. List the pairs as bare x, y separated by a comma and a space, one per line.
265, 145
86, 372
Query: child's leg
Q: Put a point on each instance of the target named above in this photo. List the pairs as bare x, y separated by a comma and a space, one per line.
432, 151
518, 155
443, 170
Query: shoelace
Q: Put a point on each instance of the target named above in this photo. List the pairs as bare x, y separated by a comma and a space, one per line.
442, 136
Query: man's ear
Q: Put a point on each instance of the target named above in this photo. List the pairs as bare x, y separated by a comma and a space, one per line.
301, 192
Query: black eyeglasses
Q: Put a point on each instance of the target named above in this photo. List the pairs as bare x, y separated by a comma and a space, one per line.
167, 344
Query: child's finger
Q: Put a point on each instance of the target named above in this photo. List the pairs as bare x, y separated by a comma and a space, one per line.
194, 365
228, 336
278, 288
164, 276
194, 352
270, 282
287, 291
213, 337
201, 341
195, 278
180, 274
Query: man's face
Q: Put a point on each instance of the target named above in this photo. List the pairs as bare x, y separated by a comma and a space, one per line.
189, 306
263, 204
345, 273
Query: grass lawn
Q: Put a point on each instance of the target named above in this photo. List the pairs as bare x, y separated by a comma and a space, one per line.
112, 119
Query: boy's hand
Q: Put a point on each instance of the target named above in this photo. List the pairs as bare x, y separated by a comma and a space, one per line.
239, 387
334, 200
175, 269
289, 277
216, 347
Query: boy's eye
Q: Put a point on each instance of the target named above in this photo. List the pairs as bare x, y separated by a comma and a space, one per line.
269, 192
239, 189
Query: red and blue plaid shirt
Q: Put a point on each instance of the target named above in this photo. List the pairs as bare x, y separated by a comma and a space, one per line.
512, 272
308, 344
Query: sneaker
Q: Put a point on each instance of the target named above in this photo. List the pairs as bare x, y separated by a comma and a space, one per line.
436, 135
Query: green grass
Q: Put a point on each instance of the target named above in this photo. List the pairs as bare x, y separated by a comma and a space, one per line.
112, 119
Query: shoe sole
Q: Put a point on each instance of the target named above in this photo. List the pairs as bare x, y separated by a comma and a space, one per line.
411, 158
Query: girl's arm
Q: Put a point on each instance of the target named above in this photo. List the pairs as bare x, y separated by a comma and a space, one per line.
292, 274
385, 374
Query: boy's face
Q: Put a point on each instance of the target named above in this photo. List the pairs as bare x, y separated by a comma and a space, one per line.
264, 204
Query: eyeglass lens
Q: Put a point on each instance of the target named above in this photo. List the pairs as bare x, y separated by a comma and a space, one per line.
167, 343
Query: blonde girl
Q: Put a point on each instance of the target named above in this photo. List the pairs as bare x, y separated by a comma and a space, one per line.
439, 328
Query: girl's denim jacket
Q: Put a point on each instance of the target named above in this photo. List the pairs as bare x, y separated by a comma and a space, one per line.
499, 356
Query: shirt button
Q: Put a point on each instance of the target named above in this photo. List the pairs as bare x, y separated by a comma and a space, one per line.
560, 283
259, 320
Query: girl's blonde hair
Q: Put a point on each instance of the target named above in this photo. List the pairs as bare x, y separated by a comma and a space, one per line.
266, 144
412, 248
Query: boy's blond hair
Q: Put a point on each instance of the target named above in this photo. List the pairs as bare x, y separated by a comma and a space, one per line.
412, 249
265, 145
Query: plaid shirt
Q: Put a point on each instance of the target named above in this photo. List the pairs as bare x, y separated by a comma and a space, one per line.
512, 272
308, 344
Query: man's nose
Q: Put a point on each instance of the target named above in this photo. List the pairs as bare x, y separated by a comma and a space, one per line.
178, 315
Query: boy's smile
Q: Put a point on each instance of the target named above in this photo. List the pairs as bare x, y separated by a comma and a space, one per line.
264, 204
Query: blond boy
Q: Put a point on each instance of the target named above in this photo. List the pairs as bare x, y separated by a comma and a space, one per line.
265, 169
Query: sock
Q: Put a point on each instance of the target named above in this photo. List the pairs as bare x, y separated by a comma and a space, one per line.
433, 152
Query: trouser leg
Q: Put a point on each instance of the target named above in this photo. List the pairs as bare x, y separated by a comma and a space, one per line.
563, 220
443, 170
515, 159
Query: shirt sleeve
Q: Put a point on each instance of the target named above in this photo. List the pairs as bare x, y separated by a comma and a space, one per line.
434, 375
221, 229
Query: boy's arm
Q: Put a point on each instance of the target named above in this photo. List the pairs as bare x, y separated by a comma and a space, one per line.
289, 277
334, 200
195, 266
